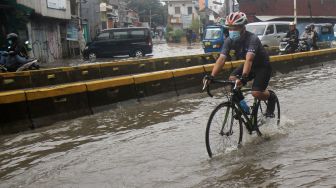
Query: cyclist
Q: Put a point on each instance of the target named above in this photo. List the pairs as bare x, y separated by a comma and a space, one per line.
246, 45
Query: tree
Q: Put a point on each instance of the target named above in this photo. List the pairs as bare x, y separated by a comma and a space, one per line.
195, 26
149, 10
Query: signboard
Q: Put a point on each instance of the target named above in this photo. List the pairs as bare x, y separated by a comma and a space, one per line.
72, 32
186, 21
56, 4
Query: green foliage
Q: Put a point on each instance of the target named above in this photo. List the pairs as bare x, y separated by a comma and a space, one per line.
174, 36
195, 25
147, 8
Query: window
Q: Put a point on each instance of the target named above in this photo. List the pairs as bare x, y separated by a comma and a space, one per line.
138, 34
120, 35
326, 30
177, 10
282, 28
189, 10
103, 36
270, 29
213, 33
104, 25
256, 29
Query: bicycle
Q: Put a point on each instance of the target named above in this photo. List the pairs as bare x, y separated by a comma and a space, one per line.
226, 121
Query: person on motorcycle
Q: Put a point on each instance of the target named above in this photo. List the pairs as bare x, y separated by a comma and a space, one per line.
314, 36
307, 37
247, 46
15, 57
293, 35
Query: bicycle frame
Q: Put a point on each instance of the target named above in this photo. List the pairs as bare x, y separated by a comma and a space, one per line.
239, 113
247, 120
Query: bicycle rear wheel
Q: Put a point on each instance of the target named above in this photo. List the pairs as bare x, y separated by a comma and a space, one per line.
223, 132
260, 117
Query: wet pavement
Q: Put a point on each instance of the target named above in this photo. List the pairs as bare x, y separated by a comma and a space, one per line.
160, 143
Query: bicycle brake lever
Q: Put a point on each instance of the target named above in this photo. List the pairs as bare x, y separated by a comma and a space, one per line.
235, 86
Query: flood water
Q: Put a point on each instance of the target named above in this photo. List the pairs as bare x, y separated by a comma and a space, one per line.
160, 143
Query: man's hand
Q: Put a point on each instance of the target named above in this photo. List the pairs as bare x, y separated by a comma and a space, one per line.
206, 81
242, 81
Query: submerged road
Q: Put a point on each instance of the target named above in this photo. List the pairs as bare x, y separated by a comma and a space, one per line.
160, 143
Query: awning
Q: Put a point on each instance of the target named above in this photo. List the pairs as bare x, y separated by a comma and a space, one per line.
268, 18
10, 4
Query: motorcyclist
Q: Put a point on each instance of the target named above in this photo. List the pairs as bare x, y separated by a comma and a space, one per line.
314, 36
15, 56
293, 35
307, 36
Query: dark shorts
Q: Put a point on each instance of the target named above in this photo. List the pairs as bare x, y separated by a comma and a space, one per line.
261, 76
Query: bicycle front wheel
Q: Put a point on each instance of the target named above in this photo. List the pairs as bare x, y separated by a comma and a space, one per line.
223, 131
260, 117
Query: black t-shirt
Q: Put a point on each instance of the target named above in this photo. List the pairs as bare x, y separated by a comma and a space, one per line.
249, 42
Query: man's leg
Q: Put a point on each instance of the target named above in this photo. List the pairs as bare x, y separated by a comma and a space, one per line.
260, 92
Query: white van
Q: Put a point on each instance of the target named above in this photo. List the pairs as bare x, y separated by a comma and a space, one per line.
269, 33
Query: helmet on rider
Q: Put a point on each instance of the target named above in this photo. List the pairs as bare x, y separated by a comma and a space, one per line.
236, 19
307, 28
236, 22
12, 38
312, 26
292, 26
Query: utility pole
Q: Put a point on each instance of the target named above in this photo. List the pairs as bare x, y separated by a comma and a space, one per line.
80, 12
150, 18
295, 16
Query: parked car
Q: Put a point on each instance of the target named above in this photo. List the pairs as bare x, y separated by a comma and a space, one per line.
213, 38
269, 33
134, 41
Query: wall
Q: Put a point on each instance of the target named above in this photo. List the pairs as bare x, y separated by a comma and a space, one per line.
46, 39
183, 11
319, 8
40, 7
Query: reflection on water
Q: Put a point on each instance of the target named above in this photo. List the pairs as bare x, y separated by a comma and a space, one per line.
161, 144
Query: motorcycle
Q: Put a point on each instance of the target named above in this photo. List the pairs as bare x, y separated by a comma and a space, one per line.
288, 46
10, 62
304, 45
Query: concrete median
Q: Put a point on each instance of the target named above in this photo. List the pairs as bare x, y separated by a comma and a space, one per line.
15, 80
14, 112
49, 105
188, 77
149, 84
105, 92
40, 78
85, 72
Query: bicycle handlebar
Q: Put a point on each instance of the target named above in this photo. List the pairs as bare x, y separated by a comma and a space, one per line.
224, 82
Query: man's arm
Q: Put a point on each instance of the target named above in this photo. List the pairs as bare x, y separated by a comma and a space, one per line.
248, 64
218, 65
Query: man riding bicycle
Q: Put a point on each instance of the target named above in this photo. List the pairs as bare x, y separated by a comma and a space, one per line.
247, 46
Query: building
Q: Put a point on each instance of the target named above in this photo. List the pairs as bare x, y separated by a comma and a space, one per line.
50, 25
181, 13
307, 10
132, 18
107, 14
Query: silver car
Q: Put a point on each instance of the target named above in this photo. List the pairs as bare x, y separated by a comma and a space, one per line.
269, 33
